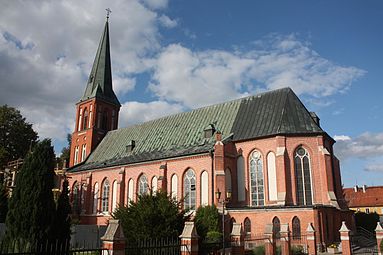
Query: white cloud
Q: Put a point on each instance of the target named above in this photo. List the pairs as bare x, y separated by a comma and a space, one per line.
367, 145
156, 4
198, 78
136, 112
167, 22
374, 167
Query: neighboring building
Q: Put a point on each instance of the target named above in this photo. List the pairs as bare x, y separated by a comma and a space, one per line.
365, 199
267, 149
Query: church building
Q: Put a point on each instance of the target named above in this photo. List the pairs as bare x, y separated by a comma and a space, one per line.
266, 154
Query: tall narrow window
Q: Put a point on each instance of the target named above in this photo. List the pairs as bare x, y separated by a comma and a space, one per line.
256, 179
83, 152
189, 190
154, 184
76, 155
90, 116
114, 196
142, 185
247, 227
130, 191
113, 120
95, 198
105, 196
272, 177
276, 228
303, 177
105, 120
76, 198
174, 186
85, 122
296, 228
241, 178
79, 121
99, 116
204, 188
228, 179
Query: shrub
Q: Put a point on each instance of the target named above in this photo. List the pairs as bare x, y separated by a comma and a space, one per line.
259, 250
297, 250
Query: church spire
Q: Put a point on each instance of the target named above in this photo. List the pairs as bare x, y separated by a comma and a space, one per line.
99, 84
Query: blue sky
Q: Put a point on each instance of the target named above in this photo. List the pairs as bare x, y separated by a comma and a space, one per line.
172, 56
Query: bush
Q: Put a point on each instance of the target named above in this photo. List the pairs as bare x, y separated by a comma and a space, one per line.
259, 250
206, 220
213, 237
381, 245
297, 250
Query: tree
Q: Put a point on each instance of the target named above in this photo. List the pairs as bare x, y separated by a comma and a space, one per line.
62, 220
3, 203
152, 216
31, 208
16, 135
65, 153
206, 220
366, 220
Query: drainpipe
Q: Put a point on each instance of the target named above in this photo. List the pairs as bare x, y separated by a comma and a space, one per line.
212, 175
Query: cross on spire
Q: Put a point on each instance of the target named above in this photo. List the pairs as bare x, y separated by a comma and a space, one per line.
108, 11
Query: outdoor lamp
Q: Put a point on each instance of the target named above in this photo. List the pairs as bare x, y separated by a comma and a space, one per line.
228, 195
218, 194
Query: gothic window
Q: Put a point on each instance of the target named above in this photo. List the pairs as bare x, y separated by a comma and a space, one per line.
114, 196
95, 198
204, 188
303, 176
76, 198
99, 117
247, 227
174, 186
276, 228
296, 228
83, 152
105, 120
189, 190
105, 196
130, 191
241, 178
232, 221
256, 179
272, 177
154, 184
142, 185
113, 120
228, 179
85, 122
76, 155
79, 121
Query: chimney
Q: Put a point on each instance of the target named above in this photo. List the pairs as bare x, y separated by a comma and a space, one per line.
364, 187
356, 188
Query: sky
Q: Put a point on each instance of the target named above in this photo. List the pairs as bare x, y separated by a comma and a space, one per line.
170, 56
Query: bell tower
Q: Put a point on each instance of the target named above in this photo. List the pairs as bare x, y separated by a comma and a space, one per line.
98, 109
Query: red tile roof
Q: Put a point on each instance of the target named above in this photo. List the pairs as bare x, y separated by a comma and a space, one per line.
373, 196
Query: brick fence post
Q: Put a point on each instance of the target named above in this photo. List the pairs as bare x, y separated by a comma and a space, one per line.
311, 240
345, 239
269, 240
237, 240
114, 239
285, 239
379, 238
189, 239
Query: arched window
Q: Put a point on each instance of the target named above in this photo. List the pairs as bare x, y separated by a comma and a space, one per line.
76, 198
296, 228
256, 179
154, 184
174, 186
85, 122
105, 120
204, 188
272, 177
228, 179
95, 197
241, 178
142, 185
232, 221
105, 196
79, 121
303, 176
189, 190
130, 191
114, 196
247, 227
276, 228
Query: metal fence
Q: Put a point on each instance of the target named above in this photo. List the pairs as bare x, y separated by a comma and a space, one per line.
167, 246
24, 247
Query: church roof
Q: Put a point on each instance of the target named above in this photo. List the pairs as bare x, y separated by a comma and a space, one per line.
278, 112
99, 84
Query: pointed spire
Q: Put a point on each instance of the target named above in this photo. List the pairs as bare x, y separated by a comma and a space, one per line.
100, 78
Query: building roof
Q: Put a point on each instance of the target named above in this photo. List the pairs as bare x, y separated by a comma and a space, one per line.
370, 197
278, 112
100, 79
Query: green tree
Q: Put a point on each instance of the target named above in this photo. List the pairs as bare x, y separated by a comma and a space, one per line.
152, 216
206, 220
31, 208
16, 135
3, 203
366, 220
63, 220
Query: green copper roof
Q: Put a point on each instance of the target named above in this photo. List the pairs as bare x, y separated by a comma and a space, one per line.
100, 78
278, 112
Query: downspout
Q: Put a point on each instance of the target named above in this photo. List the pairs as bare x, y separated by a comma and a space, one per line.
212, 175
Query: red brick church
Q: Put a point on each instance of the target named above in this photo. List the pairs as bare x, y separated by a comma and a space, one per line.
267, 151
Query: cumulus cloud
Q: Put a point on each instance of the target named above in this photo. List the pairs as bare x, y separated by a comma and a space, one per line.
47, 52
367, 145
167, 22
198, 78
374, 167
136, 112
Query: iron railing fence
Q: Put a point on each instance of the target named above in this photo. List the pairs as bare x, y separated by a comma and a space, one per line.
163, 246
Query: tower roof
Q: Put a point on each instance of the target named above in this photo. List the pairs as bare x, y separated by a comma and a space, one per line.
99, 84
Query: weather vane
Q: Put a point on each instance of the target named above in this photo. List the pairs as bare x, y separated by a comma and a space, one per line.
108, 11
